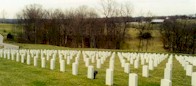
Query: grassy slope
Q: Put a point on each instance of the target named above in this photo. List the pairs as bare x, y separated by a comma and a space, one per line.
13, 73
155, 44
9, 28
5, 29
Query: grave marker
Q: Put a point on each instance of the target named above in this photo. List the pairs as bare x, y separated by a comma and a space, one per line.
189, 70
109, 77
167, 74
127, 68
193, 79
28, 59
52, 64
62, 65
90, 72
145, 71
35, 61
74, 68
133, 79
43, 62
166, 82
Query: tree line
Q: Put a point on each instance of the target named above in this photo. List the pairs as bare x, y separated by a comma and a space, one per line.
179, 36
85, 27
81, 27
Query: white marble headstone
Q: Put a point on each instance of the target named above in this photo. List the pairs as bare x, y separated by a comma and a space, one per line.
90, 72
166, 82
74, 68
193, 79
109, 77
133, 79
145, 71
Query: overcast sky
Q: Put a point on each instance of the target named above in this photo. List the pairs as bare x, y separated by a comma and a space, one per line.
157, 7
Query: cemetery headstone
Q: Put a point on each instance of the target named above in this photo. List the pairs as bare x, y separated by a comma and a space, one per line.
133, 79
109, 77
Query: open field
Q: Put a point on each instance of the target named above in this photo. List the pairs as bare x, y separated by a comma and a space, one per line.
155, 44
6, 28
9, 28
21, 74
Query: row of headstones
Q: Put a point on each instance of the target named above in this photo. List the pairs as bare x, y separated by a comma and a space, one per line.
97, 53
24, 56
94, 56
167, 80
133, 77
149, 62
46, 54
90, 57
190, 59
62, 54
188, 63
27, 54
90, 73
164, 82
36, 53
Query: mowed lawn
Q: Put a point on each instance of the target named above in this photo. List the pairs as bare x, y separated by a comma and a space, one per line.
14, 73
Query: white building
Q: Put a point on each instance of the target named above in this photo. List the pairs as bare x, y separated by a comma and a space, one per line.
157, 21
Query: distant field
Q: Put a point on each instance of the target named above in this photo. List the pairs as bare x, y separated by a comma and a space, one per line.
155, 44
9, 28
6, 28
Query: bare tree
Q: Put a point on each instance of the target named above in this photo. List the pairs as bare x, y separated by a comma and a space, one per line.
179, 36
116, 18
81, 27
3, 13
30, 18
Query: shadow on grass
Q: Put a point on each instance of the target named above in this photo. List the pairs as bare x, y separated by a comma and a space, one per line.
39, 83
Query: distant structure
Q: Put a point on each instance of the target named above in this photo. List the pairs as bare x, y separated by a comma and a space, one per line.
157, 21
7, 46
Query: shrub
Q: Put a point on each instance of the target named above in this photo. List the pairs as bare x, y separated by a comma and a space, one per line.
10, 36
4, 31
146, 35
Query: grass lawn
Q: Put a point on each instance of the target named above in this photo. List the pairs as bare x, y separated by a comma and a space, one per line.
13, 73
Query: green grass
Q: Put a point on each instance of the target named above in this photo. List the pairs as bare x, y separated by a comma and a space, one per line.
179, 75
155, 44
6, 28
13, 73
9, 28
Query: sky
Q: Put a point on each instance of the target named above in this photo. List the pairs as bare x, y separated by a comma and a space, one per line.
156, 7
